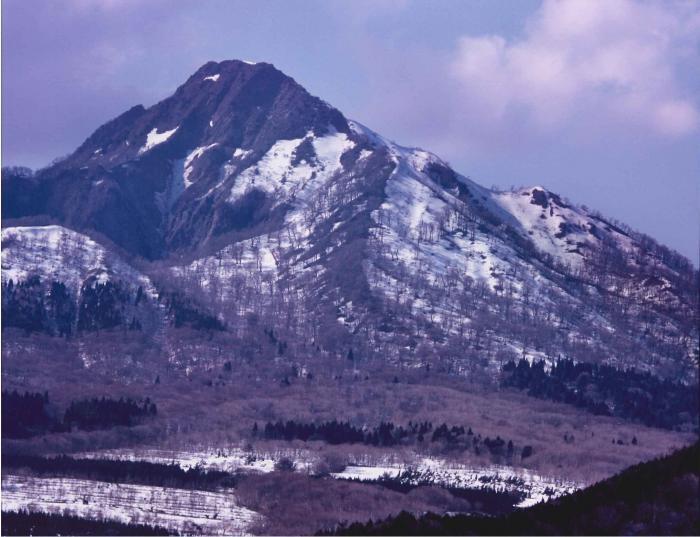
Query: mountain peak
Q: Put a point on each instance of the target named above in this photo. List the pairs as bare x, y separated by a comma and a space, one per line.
242, 176
213, 67
232, 103
225, 72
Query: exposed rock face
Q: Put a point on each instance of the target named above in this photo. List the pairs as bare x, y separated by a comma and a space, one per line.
130, 180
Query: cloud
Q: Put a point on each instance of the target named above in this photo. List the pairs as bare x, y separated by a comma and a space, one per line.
612, 64
70, 66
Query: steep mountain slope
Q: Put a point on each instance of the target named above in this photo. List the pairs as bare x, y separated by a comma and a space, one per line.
254, 198
131, 179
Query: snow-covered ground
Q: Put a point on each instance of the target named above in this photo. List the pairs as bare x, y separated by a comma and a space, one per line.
276, 173
257, 263
57, 253
427, 232
226, 459
184, 511
421, 225
535, 487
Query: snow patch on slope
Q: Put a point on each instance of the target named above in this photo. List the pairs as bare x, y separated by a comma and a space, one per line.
428, 244
189, 161
241, 153
295, 183
418, 225
276, 174
180, 179
155, 138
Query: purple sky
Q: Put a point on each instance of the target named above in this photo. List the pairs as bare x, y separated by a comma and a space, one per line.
596, 100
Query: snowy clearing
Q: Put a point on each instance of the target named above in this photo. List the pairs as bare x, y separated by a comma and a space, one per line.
499, 478
441, 472
184, 511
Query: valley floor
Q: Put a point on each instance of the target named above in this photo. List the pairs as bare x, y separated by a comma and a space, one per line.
206, 418
363, 467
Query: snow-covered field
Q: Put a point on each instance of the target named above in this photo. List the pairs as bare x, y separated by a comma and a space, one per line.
499, 478
224, 459
438, 471
184, 511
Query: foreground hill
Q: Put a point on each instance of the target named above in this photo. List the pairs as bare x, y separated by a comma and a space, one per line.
654, 498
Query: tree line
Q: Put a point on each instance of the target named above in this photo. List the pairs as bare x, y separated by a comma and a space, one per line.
484, 499
24, 415
36, 306
29, 414
51, 307
91, 414
609, 391
29, 523
120, 471
387, 434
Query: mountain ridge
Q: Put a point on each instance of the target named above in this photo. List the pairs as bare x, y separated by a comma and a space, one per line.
241, 188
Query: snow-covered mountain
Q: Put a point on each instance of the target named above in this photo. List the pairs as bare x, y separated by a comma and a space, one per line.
251, 197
